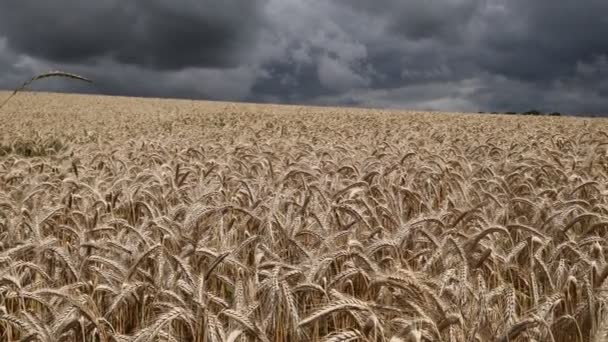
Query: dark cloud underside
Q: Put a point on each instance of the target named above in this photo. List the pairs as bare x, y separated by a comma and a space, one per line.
149, 33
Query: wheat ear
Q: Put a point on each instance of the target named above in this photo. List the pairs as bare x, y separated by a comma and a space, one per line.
55, 73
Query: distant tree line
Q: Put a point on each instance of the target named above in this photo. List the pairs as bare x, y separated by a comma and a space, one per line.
530, 112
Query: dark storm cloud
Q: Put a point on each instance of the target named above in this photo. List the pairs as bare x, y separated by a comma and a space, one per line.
416, 20
149, 33
518, 54
470, 55
542, 40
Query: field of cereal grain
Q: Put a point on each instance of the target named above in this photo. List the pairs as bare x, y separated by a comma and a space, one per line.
129, 219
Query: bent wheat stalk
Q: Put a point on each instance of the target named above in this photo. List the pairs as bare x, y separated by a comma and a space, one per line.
55, 73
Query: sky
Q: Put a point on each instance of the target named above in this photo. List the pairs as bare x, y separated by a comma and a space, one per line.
440, 55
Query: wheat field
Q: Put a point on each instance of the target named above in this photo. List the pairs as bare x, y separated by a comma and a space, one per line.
125, 219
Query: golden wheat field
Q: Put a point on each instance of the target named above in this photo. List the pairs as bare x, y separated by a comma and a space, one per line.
125, 219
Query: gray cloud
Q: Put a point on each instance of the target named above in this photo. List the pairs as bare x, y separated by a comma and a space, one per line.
149, 33
418, 20
337, 75
469, 55
541, 41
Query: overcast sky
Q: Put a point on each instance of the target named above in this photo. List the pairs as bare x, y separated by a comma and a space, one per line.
453, 55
